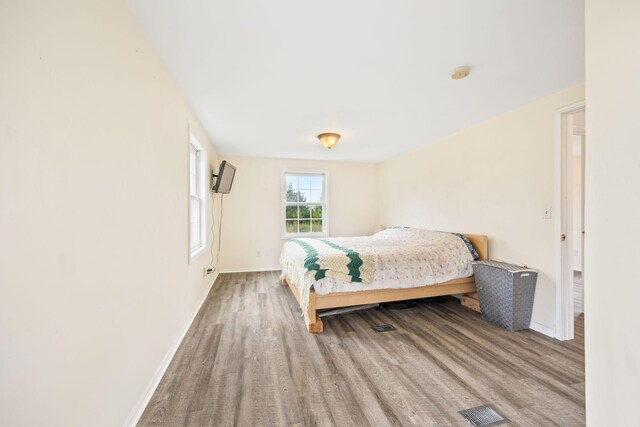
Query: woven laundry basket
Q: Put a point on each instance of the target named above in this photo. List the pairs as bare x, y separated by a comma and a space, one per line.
506, 293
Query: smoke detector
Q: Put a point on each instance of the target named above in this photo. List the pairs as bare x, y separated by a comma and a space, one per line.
460, 73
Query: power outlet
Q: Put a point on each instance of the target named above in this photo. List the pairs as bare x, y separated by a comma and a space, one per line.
207, 271
546, 212
258, 254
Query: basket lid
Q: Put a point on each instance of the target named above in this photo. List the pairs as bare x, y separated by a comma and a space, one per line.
513, 268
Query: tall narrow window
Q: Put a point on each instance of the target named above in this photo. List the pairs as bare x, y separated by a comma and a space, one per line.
197, 200
304, 196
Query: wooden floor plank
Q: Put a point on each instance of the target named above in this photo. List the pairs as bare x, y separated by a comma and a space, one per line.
248, 360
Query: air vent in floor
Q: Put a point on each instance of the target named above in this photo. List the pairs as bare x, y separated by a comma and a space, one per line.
384, 328
483, 416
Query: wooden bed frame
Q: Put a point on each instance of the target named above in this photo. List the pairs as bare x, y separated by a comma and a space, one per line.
346, 299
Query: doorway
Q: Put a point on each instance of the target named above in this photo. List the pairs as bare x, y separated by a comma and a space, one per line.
570, 224
576, 123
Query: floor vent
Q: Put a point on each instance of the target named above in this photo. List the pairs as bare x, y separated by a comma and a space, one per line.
483, 416
384, 328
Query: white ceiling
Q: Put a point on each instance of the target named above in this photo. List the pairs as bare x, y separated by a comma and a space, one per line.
265, 77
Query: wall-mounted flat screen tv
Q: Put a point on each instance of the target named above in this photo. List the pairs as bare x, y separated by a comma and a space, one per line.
224, 179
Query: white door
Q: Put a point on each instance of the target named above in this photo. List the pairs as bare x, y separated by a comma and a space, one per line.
578, 201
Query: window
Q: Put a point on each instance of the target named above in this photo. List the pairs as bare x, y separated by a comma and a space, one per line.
197, 200
304, 196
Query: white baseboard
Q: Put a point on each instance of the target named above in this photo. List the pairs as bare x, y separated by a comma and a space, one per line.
135, 415
249, 270
545, 330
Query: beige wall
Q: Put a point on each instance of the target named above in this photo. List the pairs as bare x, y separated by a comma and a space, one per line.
251, 233
94, 276
494, 178
612, 207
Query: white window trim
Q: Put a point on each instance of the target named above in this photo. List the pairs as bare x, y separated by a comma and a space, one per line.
283, 204
201, 190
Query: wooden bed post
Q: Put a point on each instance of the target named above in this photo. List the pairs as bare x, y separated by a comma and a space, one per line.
311, 318
313, 321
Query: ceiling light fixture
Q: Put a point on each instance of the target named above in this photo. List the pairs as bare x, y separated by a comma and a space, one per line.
329, 139
460, 73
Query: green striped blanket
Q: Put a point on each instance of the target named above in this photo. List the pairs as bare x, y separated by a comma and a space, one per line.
327, 259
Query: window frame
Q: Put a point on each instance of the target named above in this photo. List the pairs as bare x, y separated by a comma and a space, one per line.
199, 194
324, 203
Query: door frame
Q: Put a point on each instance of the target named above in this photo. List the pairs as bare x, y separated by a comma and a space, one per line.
563, 224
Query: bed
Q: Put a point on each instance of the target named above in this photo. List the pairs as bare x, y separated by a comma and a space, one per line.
392, 265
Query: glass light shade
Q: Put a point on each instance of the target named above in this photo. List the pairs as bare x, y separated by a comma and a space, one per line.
329, 140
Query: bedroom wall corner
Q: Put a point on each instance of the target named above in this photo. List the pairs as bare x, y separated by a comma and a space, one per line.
251, 230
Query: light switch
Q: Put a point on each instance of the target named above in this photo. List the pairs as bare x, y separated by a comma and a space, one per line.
546, 212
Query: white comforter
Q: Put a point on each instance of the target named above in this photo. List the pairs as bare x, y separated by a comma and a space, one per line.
404, 258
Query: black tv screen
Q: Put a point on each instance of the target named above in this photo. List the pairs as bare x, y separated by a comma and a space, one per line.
224, 179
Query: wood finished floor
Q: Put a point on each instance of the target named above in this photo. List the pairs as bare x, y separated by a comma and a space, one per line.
248, 361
